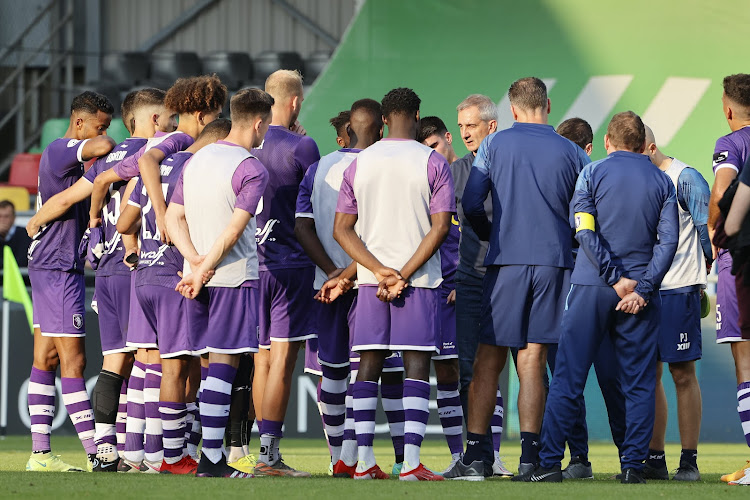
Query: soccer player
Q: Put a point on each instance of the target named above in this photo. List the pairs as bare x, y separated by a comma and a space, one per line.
398, 270
680, 327
730, 154
56, 274
285, 294
211, 219
627, 226
477, 118
434, 134
165, 310
531, 172
340, 123
143, 114
315, 212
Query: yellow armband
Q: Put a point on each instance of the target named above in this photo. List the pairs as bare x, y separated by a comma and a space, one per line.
584, 221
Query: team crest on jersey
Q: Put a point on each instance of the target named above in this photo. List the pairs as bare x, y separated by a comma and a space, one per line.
720, 157
78, 321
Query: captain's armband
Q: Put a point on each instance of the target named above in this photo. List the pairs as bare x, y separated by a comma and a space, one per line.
584, 221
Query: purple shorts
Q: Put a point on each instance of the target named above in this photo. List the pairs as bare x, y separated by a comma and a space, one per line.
59, 303
727, 310
165, 311
333, 330
287, 308
140, 333
312, 366
112, 306
224, 320
409, 323
447, 340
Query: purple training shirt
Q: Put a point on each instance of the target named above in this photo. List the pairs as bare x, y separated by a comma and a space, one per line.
168, 144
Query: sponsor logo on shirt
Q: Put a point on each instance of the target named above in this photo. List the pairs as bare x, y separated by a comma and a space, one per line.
263, 234
73, 142
720, 157
115, 156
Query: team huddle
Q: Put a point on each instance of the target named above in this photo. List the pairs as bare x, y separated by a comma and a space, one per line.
224, 247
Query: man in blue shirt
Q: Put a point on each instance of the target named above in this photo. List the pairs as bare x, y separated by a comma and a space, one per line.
626, 223
531, 172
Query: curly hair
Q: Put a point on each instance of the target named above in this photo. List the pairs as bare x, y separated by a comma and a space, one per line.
400, 101
196, 93
339, 122
737, 88
91, 102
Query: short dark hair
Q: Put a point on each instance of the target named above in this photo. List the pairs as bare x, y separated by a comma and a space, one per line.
339, 122
626, 131
196, 93
7, 204
216, 130
737, 89
138, 99
91, 102
577, 130
400, 101
370, 105
430, 125
528, 93
249, 103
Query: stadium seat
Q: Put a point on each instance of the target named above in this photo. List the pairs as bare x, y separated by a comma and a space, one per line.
234, 68
268, 62
24, 171
125, 69
117, 130
17, 195
53, 129
315, 64
166, 67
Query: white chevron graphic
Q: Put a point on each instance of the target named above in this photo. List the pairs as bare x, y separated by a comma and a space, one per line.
672, 106
598, 98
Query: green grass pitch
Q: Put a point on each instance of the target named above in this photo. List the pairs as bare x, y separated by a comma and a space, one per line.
312, 455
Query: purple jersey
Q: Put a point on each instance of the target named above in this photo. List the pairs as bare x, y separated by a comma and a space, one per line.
114, 251
168, 144
158, 263
55, 248
731, 151
287, 156
449, 254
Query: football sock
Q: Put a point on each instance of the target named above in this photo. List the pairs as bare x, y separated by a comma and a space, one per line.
214, 409
153, 447
173, 420
393, 404
743, 408
656, 459
105, 400
349, 443
270, 435
473, 448
689, 457
496, 424
41, 408
122, 418
416, 412
529, 448
193, 429
333, 406
136, 414
77, 404
365, 400
451, 416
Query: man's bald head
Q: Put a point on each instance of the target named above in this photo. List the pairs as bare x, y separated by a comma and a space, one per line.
650, 139
365, 123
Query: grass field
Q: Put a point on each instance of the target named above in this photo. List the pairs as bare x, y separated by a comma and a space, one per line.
311, 455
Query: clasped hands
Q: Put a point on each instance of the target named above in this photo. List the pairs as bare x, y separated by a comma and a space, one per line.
630, 302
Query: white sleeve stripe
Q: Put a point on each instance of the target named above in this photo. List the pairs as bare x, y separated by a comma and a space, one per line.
304, 215
79, 153
726, 165
134, 204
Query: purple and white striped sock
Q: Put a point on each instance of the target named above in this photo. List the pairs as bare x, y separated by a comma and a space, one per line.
135, 426
41, 408
333, 406
496, 423
743, 408
416, 412
451, 416
349, 442
393, 404
153, 447
173, 423
216, 397
365, 401
122, 418
78, 405
193, 429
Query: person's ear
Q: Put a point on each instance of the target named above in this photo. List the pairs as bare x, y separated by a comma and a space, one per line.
549, 106
493, 126
449, 138
514, 112
589, 148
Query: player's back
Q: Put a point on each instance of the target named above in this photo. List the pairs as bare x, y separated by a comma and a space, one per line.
287, 156
158, 263
533, 172
111, 261
56, 247
629, 195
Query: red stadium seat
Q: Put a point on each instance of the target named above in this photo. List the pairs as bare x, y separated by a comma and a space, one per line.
24, 171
